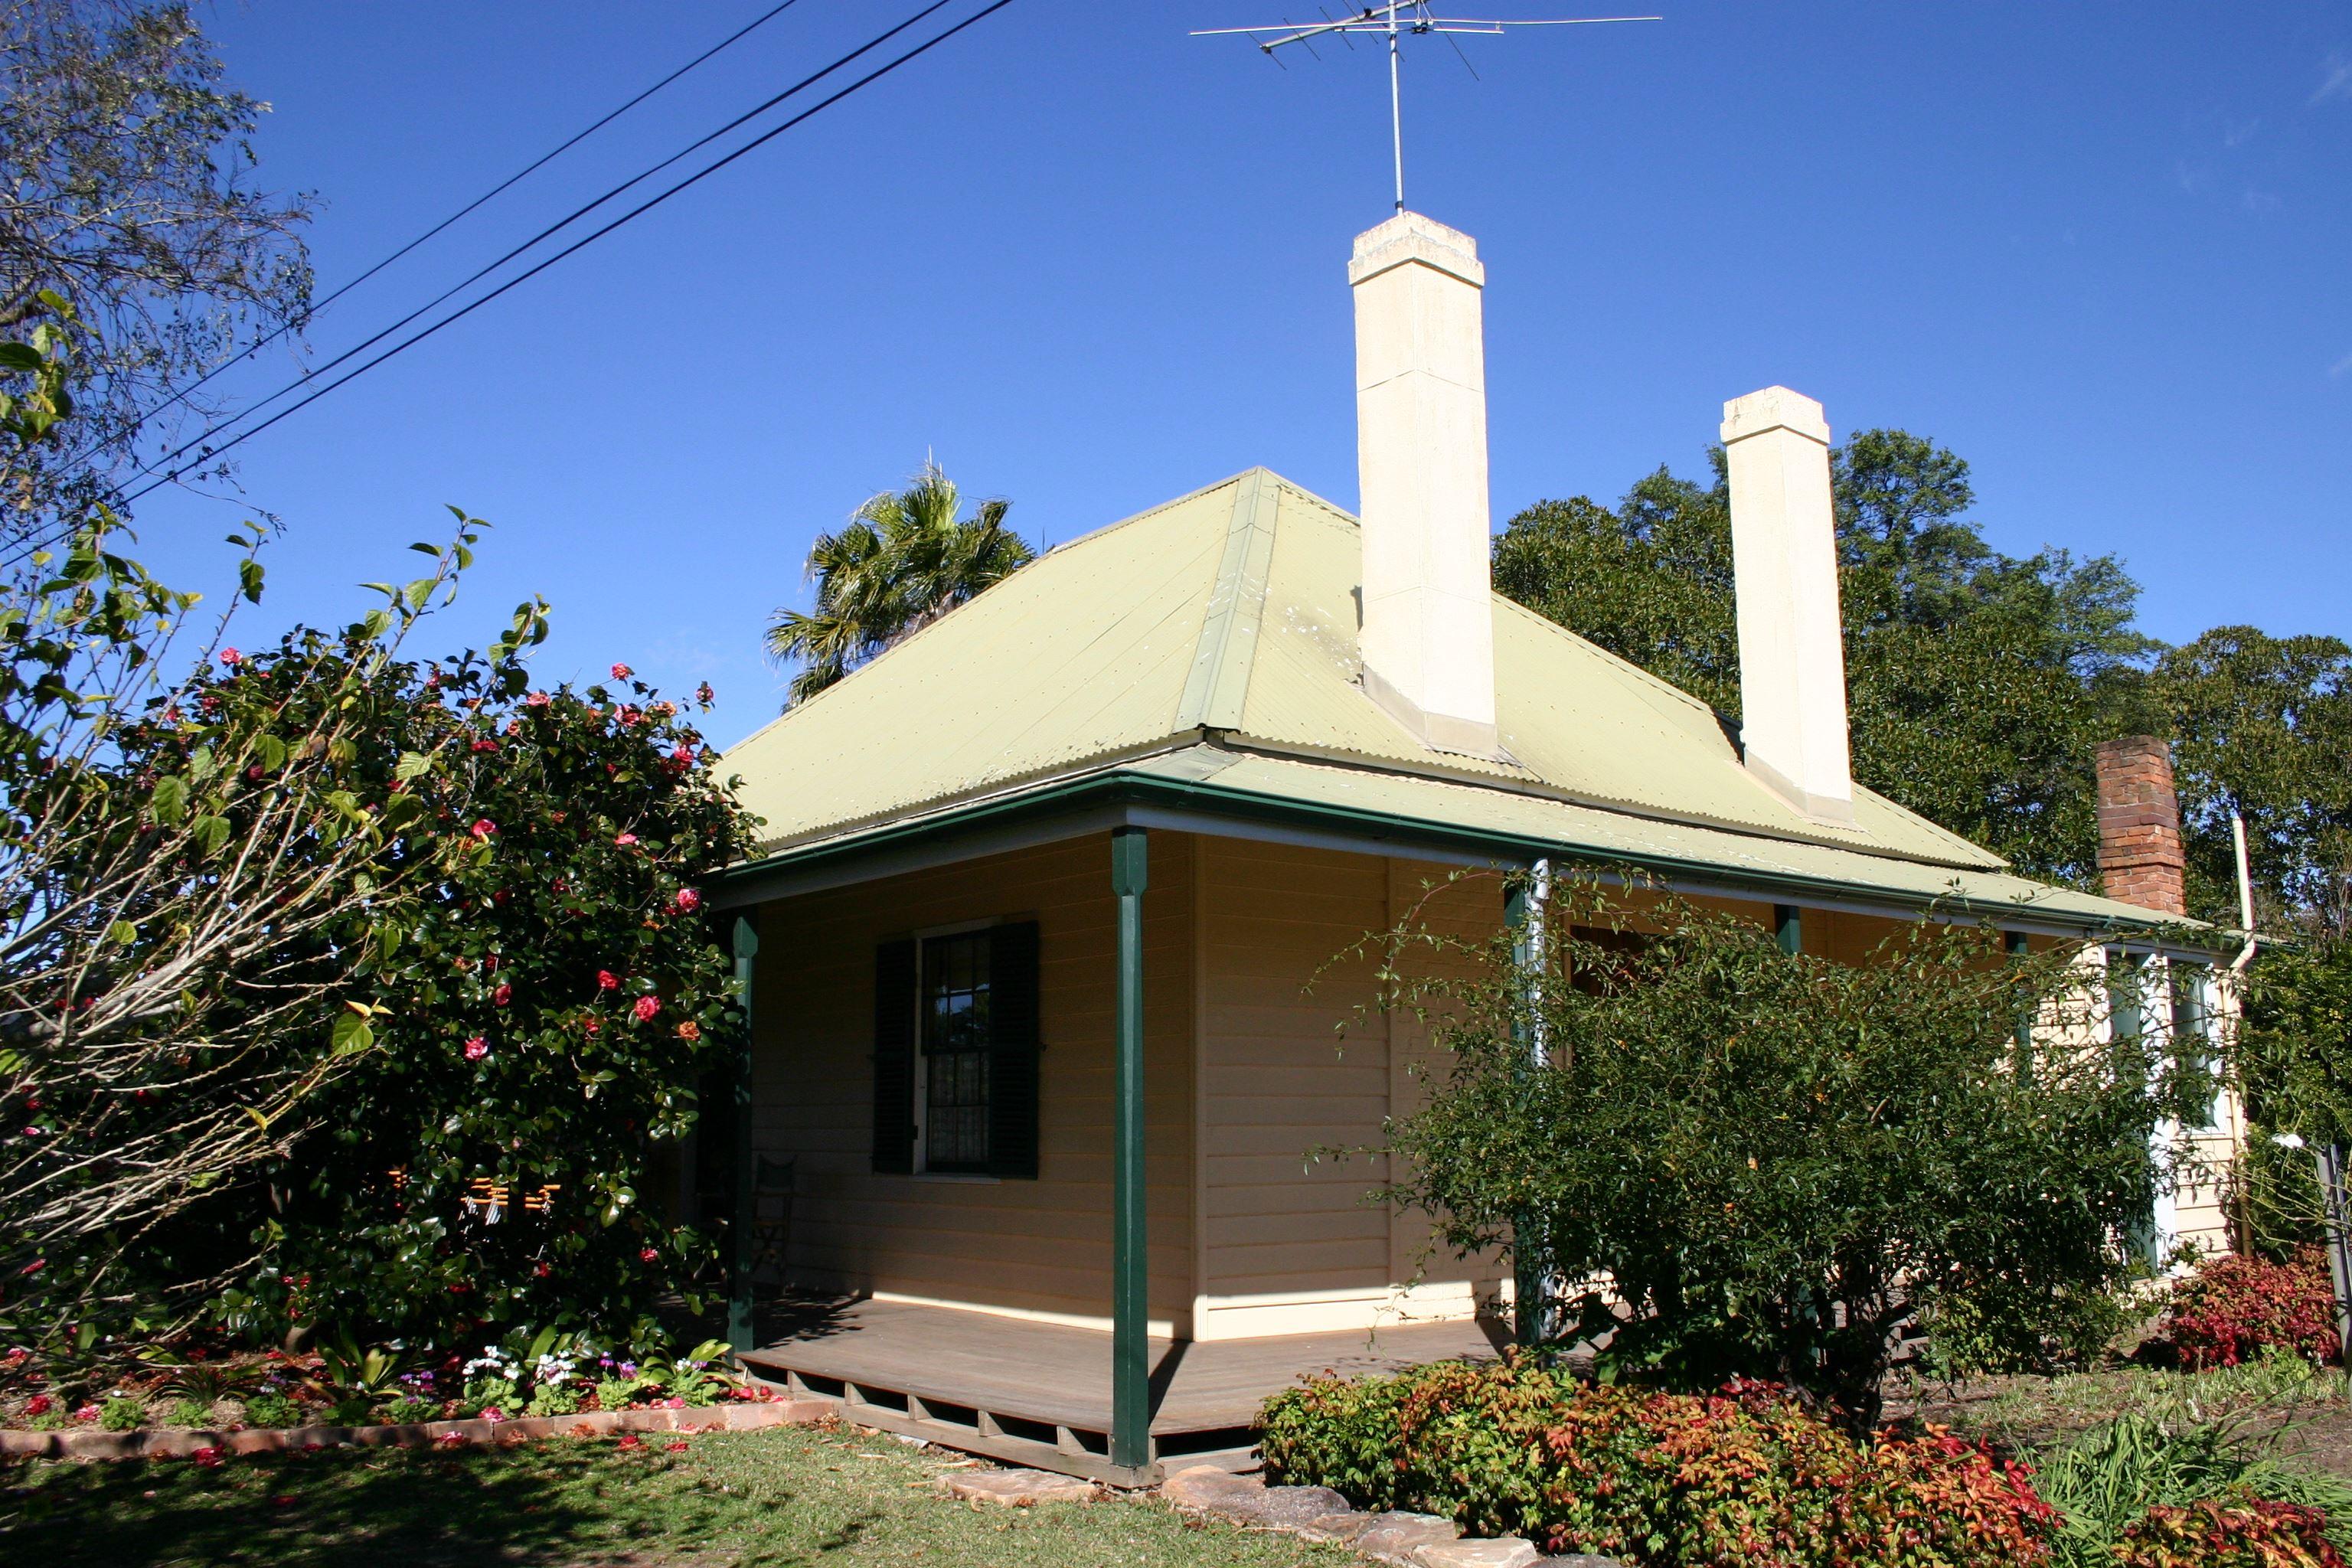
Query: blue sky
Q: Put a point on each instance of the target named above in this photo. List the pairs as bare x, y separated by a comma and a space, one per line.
2101, 251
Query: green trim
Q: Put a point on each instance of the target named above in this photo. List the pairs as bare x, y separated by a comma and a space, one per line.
1130, 789
1218, 681
739, 1331
1131, 1366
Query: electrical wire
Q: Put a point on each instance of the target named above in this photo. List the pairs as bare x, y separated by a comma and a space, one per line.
500, 189
638, 211
163, 463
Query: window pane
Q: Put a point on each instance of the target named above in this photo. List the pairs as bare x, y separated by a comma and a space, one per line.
955, 1052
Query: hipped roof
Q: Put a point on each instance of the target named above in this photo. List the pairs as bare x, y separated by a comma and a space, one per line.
1212, 640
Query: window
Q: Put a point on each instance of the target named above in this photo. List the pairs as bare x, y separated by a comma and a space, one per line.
2193, 1040
955, 1053
957, 1043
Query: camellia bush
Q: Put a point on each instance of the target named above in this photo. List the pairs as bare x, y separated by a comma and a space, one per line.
1732, 1160
340, 987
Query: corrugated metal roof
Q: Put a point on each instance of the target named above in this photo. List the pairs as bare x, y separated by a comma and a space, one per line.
1232, 612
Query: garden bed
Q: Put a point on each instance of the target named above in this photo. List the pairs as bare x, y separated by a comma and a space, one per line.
198, 1443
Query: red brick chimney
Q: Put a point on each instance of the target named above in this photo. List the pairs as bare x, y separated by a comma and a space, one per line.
2140, 858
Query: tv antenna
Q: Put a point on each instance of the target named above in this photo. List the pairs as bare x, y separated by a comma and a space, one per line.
1395, 19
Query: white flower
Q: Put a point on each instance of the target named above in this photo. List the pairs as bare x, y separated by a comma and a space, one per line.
2287, 1140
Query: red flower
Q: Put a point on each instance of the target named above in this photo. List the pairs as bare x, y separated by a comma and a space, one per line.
704, 695
536, 699
208, 1456
476, 1049
622, 672
486, 745
689, 898
625, 840
38, 1404
485, 827
647, 1007
231, 658
607, 981
540, 1270
502, 995
591, 1025
679, 1446
630, 1440
646, 1255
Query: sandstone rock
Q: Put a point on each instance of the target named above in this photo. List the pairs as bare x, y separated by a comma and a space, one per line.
1509, 1551
1395, 1537
1338, 1527
1019, 1488
1211, 1489
1247, 1500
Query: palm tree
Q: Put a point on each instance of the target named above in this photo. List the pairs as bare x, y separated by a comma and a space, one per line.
902, 562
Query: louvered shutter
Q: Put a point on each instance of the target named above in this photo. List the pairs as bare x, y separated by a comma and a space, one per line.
894, 1057
1013, 1051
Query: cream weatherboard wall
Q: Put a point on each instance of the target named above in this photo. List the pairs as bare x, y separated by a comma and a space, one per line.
1032, 1249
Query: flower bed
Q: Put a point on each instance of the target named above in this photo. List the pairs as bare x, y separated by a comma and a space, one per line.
1744, 1478
206, 1446
344, 1389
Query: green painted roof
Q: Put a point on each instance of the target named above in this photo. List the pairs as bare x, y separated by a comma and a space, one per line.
1229, 616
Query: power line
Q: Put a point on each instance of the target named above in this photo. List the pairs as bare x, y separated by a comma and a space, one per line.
197, 440
500, 189
758, 141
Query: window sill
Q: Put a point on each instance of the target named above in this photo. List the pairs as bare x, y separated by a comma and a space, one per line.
973, 1178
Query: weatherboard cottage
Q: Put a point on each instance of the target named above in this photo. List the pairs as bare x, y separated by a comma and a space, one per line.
1042, 890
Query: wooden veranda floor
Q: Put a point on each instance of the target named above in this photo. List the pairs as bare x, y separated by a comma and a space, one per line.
1039, 1394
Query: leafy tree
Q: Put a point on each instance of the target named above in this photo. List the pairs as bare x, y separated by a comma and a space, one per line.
1978, 683
126, 184
2262, 727
1774, 1160
905, 560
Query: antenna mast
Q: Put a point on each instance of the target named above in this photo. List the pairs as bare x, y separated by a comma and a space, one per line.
1395, 18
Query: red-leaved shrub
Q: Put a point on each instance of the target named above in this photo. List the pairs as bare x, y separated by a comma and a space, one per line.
1744, 1478
2234, 1306
2235, 1533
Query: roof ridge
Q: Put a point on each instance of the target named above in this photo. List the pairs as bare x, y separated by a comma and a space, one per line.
1218, 682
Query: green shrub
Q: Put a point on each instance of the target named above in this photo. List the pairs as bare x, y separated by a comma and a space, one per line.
409, 1411
1745, 1478
618, 1393
123, 1413
271, 1408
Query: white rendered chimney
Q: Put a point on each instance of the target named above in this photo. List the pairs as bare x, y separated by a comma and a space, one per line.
1428, 637
1784, 561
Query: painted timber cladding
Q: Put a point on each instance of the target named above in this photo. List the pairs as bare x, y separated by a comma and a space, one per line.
1034, 1247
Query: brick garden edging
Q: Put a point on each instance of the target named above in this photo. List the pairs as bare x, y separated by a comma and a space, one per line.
182, 1442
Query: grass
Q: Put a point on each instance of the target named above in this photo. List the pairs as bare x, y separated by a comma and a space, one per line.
784, 1495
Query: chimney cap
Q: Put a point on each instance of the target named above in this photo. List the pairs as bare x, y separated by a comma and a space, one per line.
1410, 236
1774, 408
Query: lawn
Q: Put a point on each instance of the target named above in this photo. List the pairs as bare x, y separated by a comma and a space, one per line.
785, 1495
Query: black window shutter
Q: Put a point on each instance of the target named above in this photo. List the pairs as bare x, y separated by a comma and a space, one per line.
1013, 1049
894, 1057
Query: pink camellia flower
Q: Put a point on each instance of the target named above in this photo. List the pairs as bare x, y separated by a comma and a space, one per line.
607, 981
675, 1402
476, 1049
647, 1007
646, 1255
38, 1404
32, 1132
485, 827
681, 753
231, 658
625, 841
704, 695
486, 744
622, 672
689, 898
502, 995
630, 1440
536, 699
675, 1446
494, 1413
208, 1456
690, 1031
87, 1413
592, 1024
